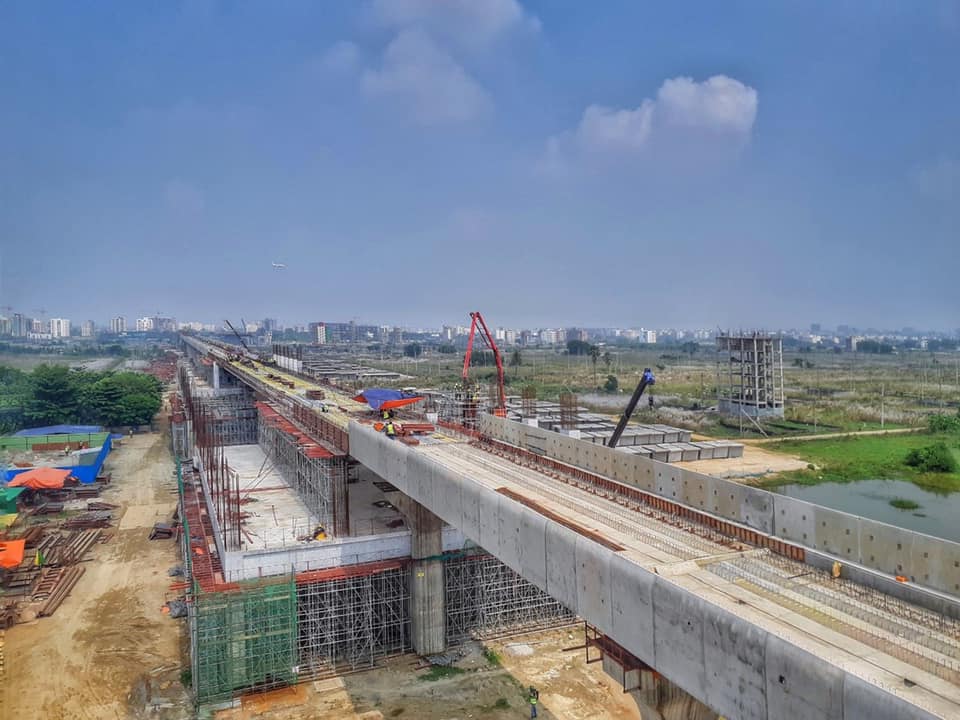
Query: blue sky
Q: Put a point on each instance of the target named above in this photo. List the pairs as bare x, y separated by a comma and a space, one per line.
736, 164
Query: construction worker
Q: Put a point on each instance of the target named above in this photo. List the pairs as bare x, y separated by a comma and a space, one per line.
388, 414
533, 696
320, 533
390, 430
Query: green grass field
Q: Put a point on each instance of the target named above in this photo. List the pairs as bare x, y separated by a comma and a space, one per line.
870, 457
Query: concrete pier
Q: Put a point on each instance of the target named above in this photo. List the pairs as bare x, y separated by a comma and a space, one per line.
427, 611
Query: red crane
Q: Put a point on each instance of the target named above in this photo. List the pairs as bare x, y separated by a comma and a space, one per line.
501, 408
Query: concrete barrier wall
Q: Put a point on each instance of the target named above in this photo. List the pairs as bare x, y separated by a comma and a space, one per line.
928, 561
721, 658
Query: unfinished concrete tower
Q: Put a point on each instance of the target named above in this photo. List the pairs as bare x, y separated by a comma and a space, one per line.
750, 375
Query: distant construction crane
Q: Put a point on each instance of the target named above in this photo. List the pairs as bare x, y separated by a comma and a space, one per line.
500, 410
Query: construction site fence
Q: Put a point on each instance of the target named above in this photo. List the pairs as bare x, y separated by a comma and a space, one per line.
36, 442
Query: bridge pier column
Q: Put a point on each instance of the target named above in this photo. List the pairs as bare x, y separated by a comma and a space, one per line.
216, 376
427, 596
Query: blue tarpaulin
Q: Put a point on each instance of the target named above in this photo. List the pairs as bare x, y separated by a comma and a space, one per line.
377, 398
86, 474
60, 430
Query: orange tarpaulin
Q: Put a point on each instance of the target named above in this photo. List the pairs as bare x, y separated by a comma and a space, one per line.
45, 478
11, 553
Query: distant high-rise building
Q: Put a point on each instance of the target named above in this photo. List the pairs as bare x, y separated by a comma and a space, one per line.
87, 329
144, 324
270, 324
648, 336
21, 325
59, 327
38, 327
396, 336
6, 326
118, 325
815, 328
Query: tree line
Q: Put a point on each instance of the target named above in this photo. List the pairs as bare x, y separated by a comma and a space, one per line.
54, 394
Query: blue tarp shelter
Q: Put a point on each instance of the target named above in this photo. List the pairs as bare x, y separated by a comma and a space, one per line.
86, 474
60, 430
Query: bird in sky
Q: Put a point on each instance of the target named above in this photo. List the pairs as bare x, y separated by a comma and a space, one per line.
279, 266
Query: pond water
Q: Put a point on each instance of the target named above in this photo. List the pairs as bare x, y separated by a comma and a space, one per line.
937, 515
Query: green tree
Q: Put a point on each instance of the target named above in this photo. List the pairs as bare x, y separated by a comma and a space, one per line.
594, 356
446, 349
412, 350
690, 348
53, 396
578, 347
607, 359
612, 384
516, 359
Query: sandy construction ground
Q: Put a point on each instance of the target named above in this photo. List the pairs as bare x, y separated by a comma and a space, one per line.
108, 651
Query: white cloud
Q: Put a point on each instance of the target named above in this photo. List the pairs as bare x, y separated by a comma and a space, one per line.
469, 22
341, 57
719, 104
719, 111
426, 82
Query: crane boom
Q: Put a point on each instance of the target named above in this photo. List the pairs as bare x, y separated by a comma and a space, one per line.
239, 336
477, 319
647, 379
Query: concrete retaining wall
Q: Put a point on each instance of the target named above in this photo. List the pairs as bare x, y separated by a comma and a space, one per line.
927, 561
741, 670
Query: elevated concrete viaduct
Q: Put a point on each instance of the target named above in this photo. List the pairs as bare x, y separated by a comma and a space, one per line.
724, 590
725, 642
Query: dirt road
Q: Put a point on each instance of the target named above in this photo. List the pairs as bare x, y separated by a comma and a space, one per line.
827, 436
108, 649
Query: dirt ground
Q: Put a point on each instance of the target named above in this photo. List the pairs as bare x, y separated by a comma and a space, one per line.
490, 686
108, 651
756, 463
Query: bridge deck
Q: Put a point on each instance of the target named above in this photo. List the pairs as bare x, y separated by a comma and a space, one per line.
863, 630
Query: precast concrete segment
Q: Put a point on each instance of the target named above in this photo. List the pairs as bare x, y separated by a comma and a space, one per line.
687, 632
931, 562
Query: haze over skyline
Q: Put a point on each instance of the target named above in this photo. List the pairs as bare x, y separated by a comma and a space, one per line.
744, 165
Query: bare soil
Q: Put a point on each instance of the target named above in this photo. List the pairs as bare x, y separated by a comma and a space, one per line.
108, 651
570, 689
755, 465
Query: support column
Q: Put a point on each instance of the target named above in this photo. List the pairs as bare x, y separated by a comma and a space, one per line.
427, 594
656, 697
216, 376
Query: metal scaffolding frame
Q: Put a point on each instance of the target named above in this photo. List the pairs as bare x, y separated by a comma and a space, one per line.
353, 619
750, 374
485, 598
319, 478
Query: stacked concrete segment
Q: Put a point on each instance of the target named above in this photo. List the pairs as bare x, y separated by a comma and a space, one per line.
926, 561
720, 654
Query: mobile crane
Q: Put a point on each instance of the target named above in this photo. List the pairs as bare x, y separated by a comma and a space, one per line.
646, 380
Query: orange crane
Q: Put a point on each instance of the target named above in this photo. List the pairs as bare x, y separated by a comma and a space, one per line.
500, 410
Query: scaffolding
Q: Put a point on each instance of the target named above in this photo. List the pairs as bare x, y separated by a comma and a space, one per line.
244, 638
750, 375
485, 598
318, 476
351, 618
